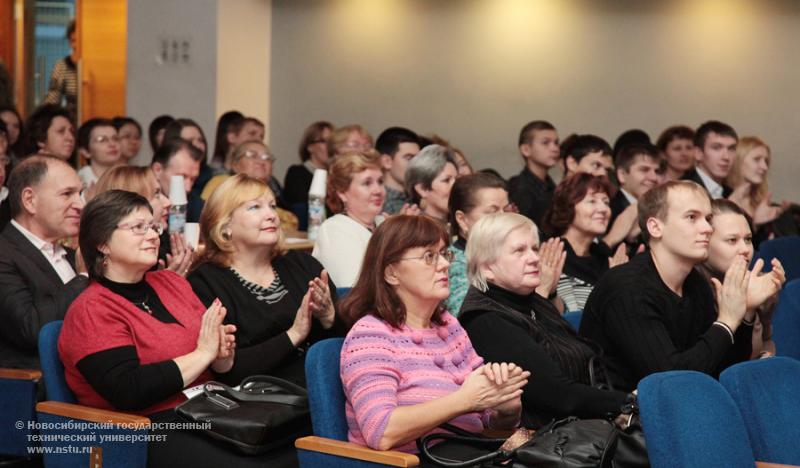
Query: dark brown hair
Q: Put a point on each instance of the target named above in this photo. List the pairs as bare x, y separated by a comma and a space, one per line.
312, 133
676, 132
372, 295
464, 195
570, 192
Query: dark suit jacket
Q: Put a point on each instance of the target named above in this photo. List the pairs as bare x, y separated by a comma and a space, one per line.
695, 177
31, 295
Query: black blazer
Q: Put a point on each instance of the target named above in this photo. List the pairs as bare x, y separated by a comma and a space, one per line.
695, 177
31, 295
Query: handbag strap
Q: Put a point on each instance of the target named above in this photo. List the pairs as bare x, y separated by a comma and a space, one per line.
424, 447
280, 398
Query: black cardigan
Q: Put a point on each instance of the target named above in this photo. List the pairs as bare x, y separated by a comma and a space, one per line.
548, 347
262, 345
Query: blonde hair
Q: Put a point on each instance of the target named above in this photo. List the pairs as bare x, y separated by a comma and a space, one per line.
341, 172
486, 239
129, 178
339, 137
217, 212
735, 177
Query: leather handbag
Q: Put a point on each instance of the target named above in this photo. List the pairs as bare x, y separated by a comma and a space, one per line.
266, 413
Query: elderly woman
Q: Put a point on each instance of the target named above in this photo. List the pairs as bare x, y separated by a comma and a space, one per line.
579, 215
429, 178
349, 139
313, 155
355, 194
49, 130
281, 302
732, 238
407, 366
173, 253
502, 307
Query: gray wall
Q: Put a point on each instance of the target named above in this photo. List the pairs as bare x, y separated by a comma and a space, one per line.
475, 71
181, 89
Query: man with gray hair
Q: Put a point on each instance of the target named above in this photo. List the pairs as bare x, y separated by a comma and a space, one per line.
39, 278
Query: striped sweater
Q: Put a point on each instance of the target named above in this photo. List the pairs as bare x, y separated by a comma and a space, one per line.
383, 368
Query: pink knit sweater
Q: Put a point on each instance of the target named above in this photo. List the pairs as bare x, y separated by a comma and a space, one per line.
383, 368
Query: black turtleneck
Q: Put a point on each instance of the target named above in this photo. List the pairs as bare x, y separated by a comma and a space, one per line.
544, 344
138, 294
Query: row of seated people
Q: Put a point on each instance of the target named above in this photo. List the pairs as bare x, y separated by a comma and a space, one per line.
136, 335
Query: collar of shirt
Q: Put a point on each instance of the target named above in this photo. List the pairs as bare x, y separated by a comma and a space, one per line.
714, 189
3, 193
50, 249
628, 196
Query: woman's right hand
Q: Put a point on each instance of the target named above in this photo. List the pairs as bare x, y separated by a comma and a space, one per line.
208, 341
302, 322
492, 384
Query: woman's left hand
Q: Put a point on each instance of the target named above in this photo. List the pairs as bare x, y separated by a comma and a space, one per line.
620, 256
551, 262
227, 349
762, 287
321, 303
181, 255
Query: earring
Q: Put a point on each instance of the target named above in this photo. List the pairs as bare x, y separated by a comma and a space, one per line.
105, 260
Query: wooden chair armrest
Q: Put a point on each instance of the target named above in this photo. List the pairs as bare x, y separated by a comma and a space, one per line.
20, 374
761, 464
96, 415
358, 452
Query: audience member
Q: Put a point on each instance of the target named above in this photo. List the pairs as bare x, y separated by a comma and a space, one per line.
136, 338
579, 216
656, 312
221, 143
715, 152
176, 157
63, 89
407, 366
471, 198
463, 166
397, 146
748, 177
280, 302
239, 131
429, 177
5, 164
13, 121
190, 131
130, 137
733, 239
532, 189
49, 131
174, 253
39, 278
588, 153
348, 139
502, 307
634, 136
355, 194
98, 142
676, 145
155, 132
313, 151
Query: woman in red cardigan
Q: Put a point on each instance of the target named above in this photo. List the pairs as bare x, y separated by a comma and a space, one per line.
135, 338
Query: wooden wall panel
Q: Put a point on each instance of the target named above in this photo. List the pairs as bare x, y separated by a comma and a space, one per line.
7, 34
102, 36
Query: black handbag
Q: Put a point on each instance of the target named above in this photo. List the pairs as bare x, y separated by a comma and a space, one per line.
266, 413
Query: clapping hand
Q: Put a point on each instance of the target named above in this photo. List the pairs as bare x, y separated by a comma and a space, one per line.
492, 385
181, 255
551, 262
764, 286
732, 293
320, 302
620, 256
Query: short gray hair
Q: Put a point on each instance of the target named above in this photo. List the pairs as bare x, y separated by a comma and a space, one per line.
424, 167
486, 238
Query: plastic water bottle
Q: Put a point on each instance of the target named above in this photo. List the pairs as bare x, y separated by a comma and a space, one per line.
316, 203
177, 212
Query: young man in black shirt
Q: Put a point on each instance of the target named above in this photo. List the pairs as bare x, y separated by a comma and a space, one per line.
532, 189
657, 313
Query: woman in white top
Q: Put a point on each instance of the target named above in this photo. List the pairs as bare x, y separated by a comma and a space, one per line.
356, 194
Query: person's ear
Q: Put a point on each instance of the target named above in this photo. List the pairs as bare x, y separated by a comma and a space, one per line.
84, 153
386, 162
157, 168
572, 165
655, 227
342, 196
390, 275
28, 199
698, 154
421, 190
621, 175
525, 150
461, 219
488, 272
103, 249
230, 137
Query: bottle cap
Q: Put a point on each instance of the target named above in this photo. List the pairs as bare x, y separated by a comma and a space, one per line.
317, 188
177, 193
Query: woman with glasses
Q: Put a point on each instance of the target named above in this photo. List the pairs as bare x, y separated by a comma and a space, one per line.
502, 307
355, 193
98, 143
281, 302
135, 338
407, 366
254, 159
130, 137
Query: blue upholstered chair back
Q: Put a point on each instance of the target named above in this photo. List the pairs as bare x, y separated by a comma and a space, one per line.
574, 318
325, 393
52, 369
786, 249
786, 322
689, 420
767, 392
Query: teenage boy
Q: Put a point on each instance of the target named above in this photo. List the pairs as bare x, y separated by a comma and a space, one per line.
532, 189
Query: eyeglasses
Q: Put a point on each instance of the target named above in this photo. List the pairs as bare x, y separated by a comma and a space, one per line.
266, 157
105, 139
140, 227
432, 258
